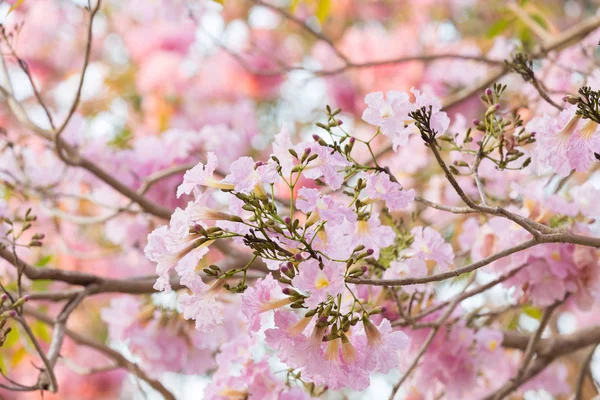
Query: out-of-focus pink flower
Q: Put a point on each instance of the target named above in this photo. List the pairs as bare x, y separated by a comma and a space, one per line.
408, 268
428, 244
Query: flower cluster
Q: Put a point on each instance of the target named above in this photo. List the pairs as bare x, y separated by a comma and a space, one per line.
316, 218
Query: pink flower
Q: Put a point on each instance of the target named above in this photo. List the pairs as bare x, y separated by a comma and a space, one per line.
390, 114
121, 317
323, 207
247, 176
410, 267
582, 146
586, 198
553, 135
201, 305
430, 245
293, 347
265, 295
380, 187
294, 394
373, 235
173, 247
327, 166
384, 344
439, 121
319, 283
281, 145
156, 250
489, 343
553, 379
202, 175
262, 384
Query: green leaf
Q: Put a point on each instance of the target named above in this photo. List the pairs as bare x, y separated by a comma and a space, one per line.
12, 338
42, 262
41, 331
40, 285
540, 20
18, 356
323, 10
498, 28
533, 312
122, 140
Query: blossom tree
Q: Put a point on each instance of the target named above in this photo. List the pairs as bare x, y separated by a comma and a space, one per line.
299, 199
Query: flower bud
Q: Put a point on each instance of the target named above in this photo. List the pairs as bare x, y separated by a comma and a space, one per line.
8, 314
21, 301
570, 99
348, 350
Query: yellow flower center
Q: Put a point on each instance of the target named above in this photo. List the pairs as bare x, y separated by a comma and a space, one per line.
213, 183
379, 188
386, 111
321, 281
363, 227
425, 249
493, 345
588, 130
556, 256
321, 205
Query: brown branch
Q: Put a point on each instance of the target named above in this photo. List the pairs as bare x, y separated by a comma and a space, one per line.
448, 274
86, 61
584, 371
472, 292
439, 323
115, 355
48, 380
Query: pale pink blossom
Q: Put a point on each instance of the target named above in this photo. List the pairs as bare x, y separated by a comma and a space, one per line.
319, 283
428, 244
201, 305
263, 296
439, 120
323, 207
384, 345
373, 235
328, 166
122, 316
380, 187
407, 268
202, 175
584, 142
246, 175
586, 198
390, 113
